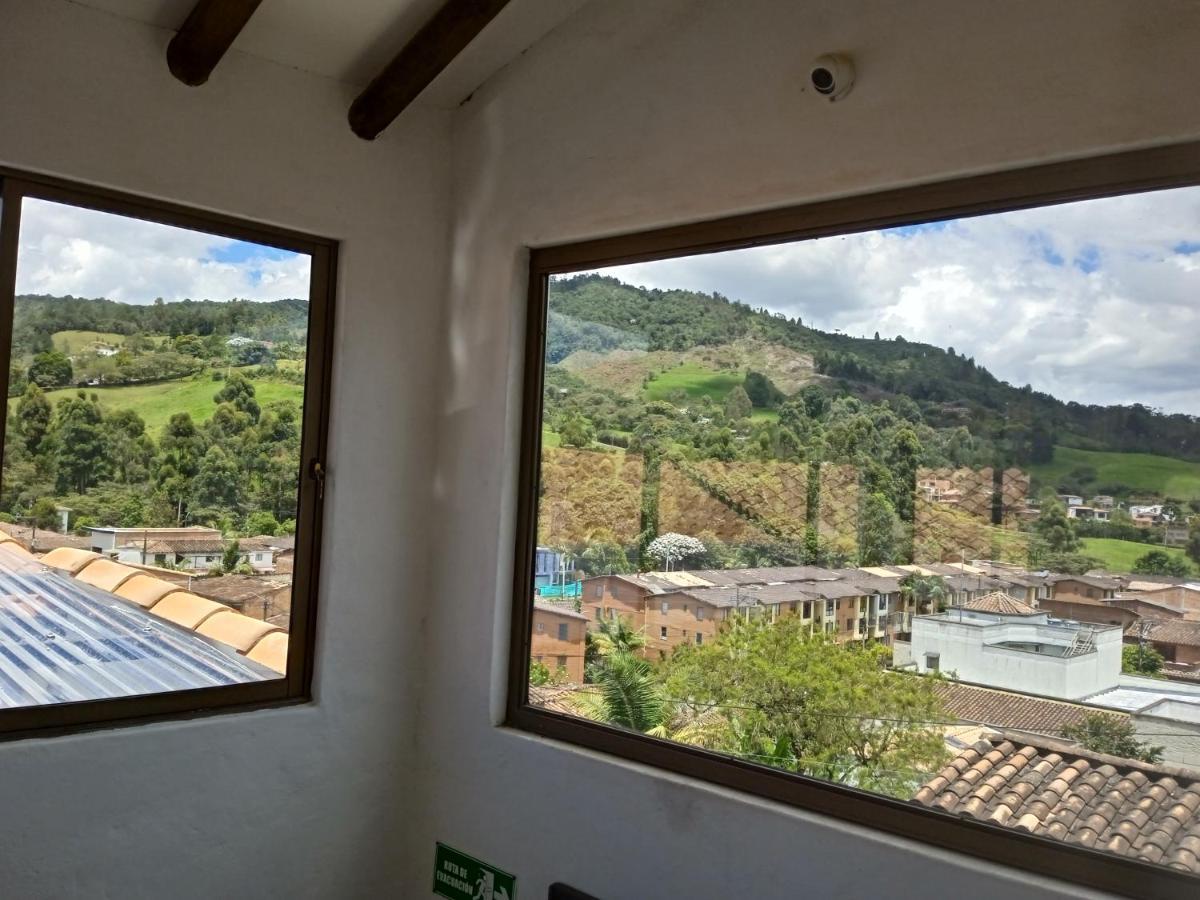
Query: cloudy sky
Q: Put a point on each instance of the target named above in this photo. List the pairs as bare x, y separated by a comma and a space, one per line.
1097, 301
67, 250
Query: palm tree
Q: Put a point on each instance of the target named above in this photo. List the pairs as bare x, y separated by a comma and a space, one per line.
925, 590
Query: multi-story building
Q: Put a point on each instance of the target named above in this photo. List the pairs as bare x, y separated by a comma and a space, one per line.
559, 639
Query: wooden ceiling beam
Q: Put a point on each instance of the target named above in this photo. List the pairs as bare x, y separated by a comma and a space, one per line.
210, 29
422, 59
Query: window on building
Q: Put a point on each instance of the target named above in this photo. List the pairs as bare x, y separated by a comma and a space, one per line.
666, 607
662, 632
561, 662
541, 627
167, 381
599, 590
847, 414
563, 631
599, 613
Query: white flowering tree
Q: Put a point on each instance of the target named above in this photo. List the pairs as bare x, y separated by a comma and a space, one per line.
671, 548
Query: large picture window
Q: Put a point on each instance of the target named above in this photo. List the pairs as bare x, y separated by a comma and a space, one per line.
167, 383
927, 466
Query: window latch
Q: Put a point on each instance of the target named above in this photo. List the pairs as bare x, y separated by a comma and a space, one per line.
317, 472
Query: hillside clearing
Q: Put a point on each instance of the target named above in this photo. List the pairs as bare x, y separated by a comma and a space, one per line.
73, 343
1119, 556
157, 402
1141, 473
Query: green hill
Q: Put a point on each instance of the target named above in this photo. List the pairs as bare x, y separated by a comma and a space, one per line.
1141, 473
157, 402
1119, 556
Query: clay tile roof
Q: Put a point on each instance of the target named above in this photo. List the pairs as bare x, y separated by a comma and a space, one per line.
238, 631
1000, 603
1019, 712
145, 590
558, 609
69, 559
271, 651
186, 609
1061, 791
1167, 631
105, 574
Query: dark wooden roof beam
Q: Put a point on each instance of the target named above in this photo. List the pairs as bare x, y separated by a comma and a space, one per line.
209, 31
422, 59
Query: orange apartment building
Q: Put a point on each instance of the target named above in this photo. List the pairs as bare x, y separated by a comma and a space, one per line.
559, 638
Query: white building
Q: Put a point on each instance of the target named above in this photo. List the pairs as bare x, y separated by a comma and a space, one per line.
194, 548
1001, 642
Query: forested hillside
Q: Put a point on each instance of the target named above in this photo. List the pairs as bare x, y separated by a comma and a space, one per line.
949, 389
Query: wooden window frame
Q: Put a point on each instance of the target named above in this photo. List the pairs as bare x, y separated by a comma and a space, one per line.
1048, 184
295, 686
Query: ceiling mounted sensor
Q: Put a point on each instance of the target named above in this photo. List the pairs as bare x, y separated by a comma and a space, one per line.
832, 75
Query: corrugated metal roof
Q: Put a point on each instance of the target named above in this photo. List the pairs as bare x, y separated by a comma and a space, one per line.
62, 640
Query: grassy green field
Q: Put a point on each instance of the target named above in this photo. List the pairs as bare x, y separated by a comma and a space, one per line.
1119, 556
700, 381
157, 402
1141, 472
74, 342
694, 380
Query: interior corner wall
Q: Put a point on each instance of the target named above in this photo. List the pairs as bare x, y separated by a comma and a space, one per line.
308, 801
636, 114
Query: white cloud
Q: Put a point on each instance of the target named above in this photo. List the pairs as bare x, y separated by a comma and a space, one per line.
68, 250
1096, 301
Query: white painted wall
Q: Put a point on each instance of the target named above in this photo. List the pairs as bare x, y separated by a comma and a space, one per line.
630, 114
634, 114
966, 644
306, 802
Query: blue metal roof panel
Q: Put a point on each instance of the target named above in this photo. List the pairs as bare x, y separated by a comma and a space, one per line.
62, 640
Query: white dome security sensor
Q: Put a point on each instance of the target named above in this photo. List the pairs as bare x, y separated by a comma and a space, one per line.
832, 75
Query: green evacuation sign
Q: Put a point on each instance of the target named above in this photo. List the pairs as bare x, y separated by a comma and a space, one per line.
462, 877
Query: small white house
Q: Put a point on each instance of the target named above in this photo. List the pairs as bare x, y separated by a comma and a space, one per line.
997, 641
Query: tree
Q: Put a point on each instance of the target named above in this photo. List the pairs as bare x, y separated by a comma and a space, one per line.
1137, 659
1159, 562
239, 391
832, 711
78, 442
232, 556
605, 558
50, 369
217, 485
1055, 531
927, 592
261, 522
737, 404
576, 431
877, 529
1193, 546
1105, 733
671, 548
33, 417
762, 392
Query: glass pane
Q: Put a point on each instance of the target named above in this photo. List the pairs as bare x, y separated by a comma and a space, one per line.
934, 494
151, 460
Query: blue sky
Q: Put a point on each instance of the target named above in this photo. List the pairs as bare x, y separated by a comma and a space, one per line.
1096, 301
68, 250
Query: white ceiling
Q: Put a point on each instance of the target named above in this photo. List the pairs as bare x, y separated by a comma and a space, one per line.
352, 40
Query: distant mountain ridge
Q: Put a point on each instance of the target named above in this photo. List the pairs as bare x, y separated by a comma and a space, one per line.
950, 388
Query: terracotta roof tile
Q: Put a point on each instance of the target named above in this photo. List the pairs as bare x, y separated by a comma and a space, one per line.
1000, 603
271, 651
240, 632
1121, 806
186, 609
1005, 710
69, 559
145, 590
105, 574
1167, 631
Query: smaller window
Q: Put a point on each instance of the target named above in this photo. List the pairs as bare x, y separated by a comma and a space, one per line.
699, 638
700, 613
829, 607
599, 590
562, 662
612, 613
562, 631
932, 661
662, 632
666, 607
599, 613
685, 607
541, 626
